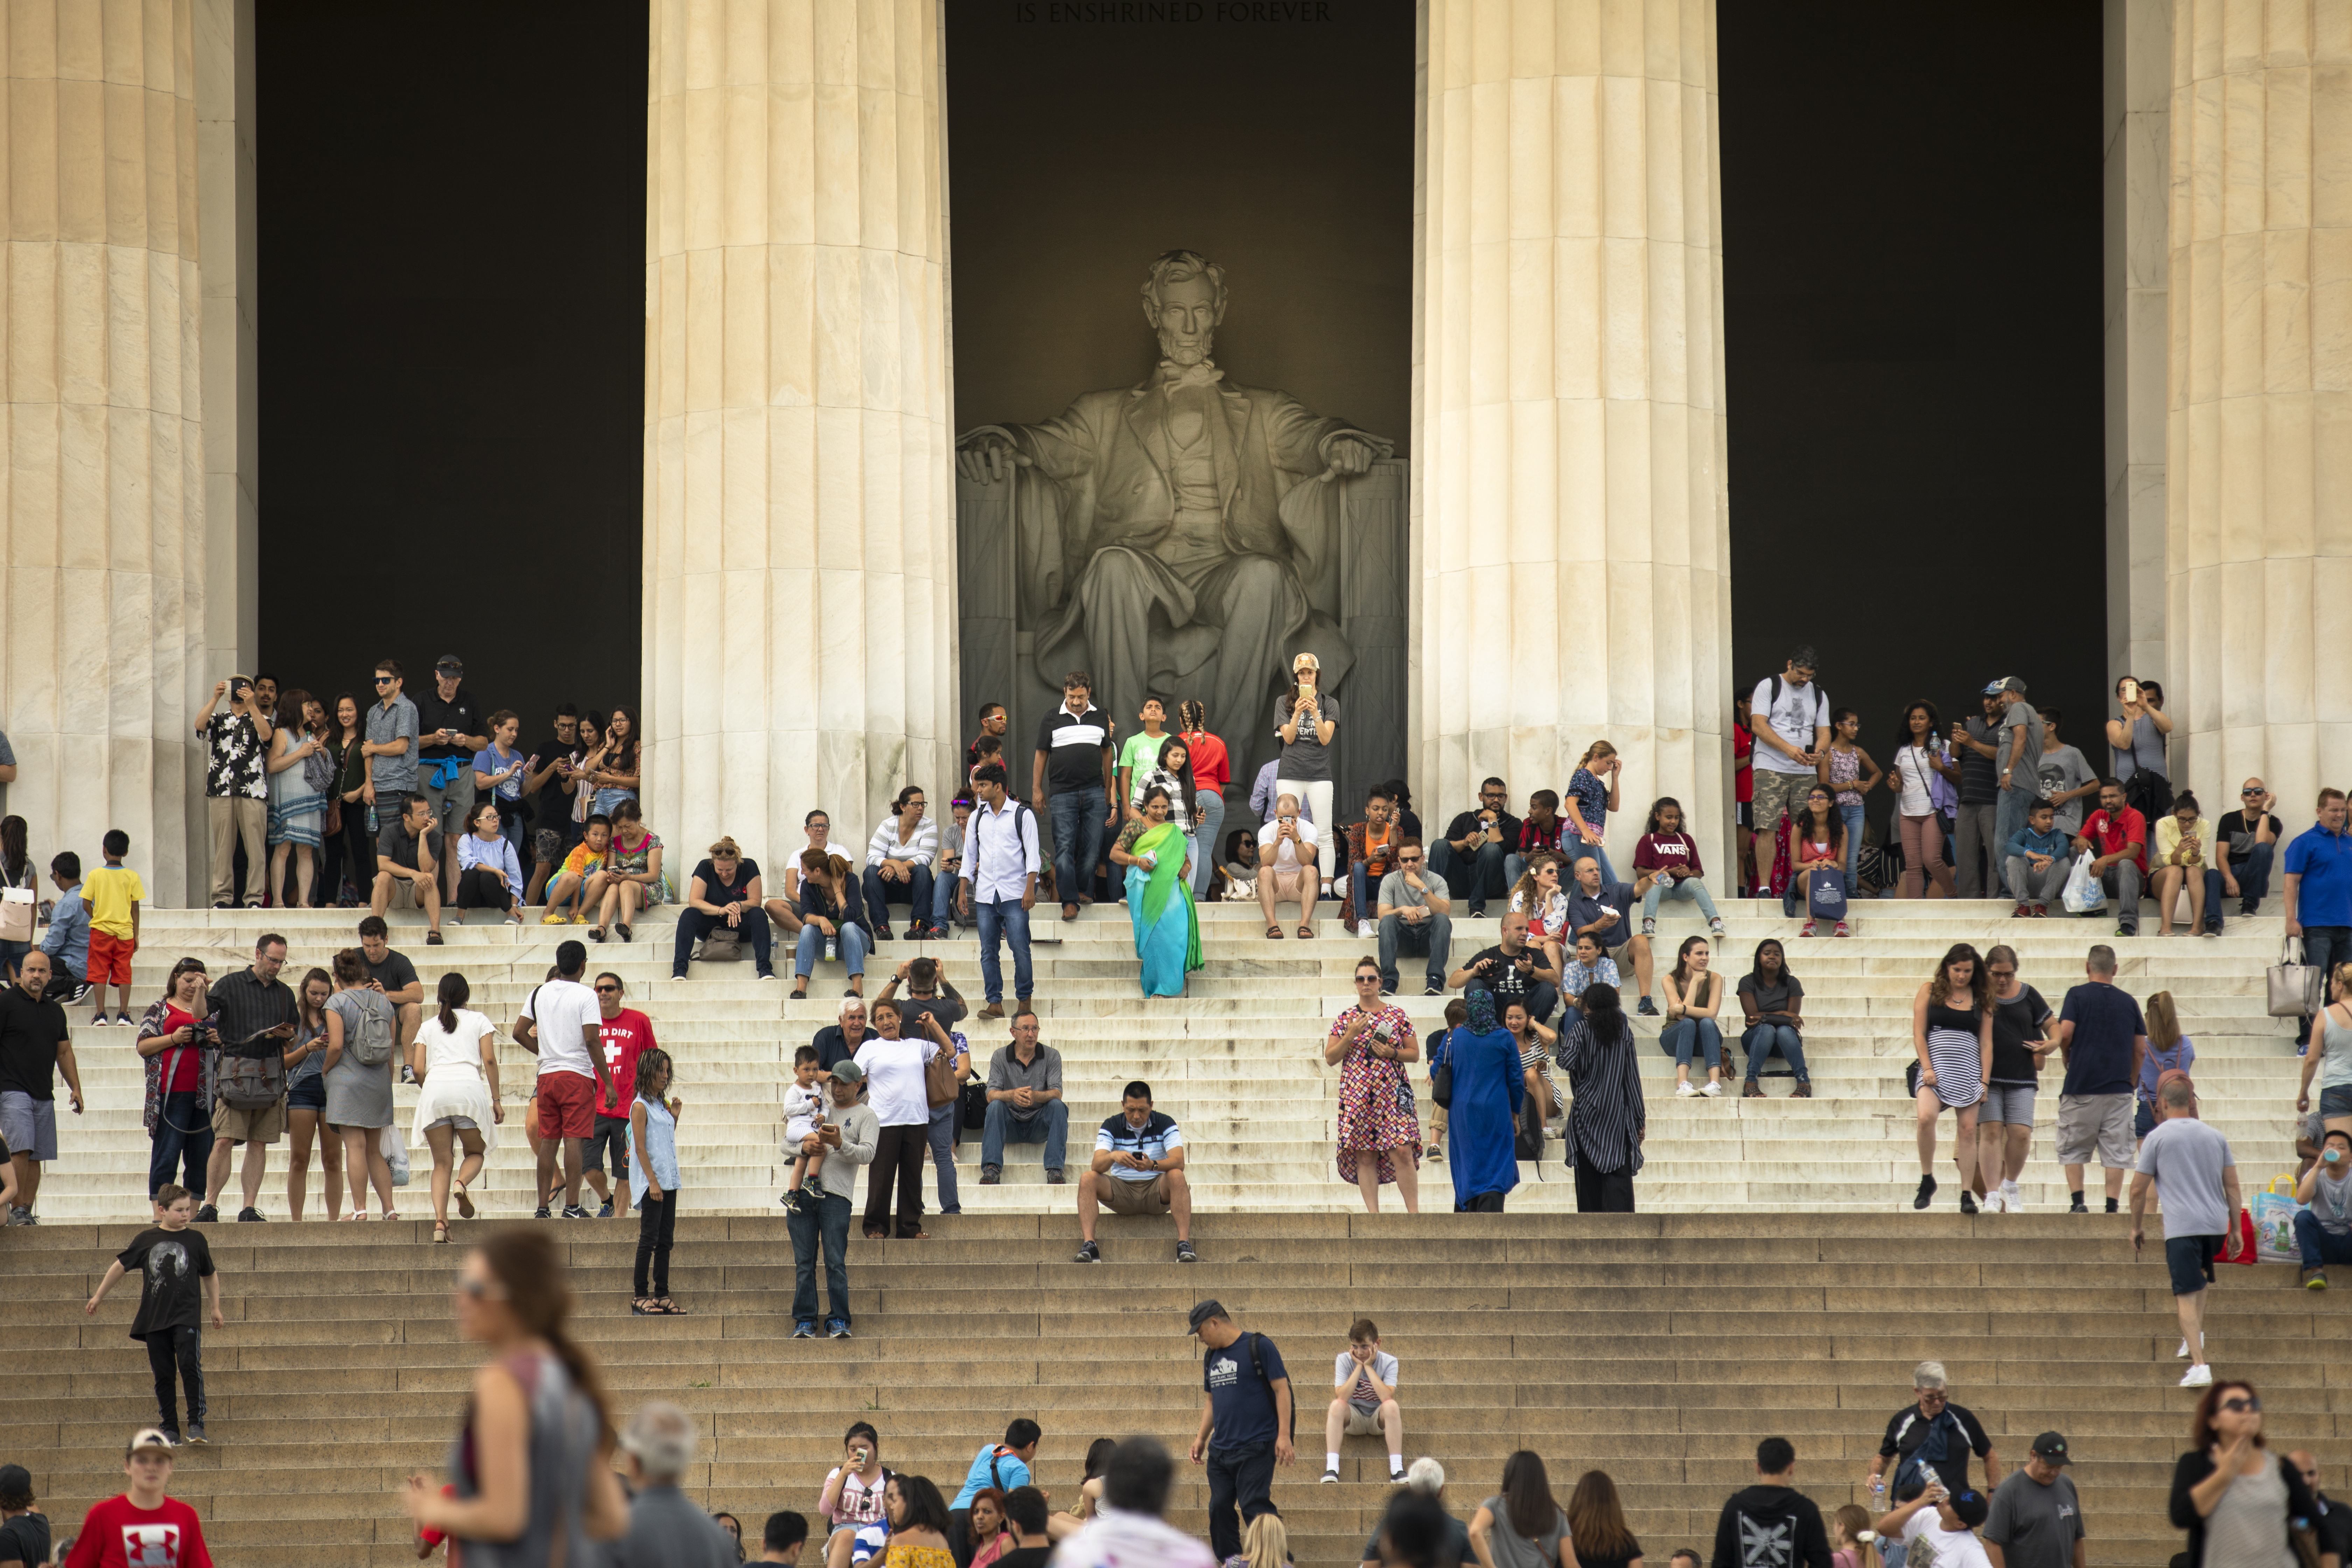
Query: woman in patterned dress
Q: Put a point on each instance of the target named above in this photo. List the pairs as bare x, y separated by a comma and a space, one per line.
1371, 1042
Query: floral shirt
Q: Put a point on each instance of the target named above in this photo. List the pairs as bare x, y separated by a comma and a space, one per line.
235, 755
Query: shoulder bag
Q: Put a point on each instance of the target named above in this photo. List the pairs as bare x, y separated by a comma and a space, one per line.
2294, 986
940, 1085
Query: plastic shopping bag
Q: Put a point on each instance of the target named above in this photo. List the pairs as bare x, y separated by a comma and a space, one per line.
2275, 1212
2083, 893
395, 1154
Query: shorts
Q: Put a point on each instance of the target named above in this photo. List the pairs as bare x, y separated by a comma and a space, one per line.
29, 1126
567, 1105
311, 1094
109, 958
1363, 1423
2190, 1258
2096, 1121
453, 806
1778, 795
266, 1125
404, 893
1120, 1195
2333, 1101
2010, 1104
611, 1133
1291, 885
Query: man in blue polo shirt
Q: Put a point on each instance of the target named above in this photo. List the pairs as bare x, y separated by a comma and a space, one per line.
1138, 1168
2319, 894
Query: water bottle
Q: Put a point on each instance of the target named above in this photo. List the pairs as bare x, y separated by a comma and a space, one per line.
832, 949
1934, 1481
373, 830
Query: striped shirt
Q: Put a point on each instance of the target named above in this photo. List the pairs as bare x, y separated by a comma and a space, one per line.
885, 843
1607, 1117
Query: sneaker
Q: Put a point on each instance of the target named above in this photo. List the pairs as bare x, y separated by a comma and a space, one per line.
836, 1328
208, 1215
225, 904
1927, 1193
1713, 1090
2246, 908
990, 1176
248, 1216
2182, 1353
2208, 930
79, 994
2079, 1207
171, 1434
1649, 926
539, 1213
605, 1212
1396, 1478
1715, 928
1433, 990
1088, 1253
1648, 1008
2020, 913
1684, 1087
804, 1330
1806, 930
1331, 1478
2042, 911
1968, 1200
2126, 930
407, 1074
1184, 1253
1436, 1155
2199, 1376
1840, 929
1054, 1177
17, 1215
196, 1435
1994, 1203
2314, 1280
2012, 1199
574, 1211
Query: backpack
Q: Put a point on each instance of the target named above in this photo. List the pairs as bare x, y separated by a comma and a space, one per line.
1257, 1365
971, 843
370, 1043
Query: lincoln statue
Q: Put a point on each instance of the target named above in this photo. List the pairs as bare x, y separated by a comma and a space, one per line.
1181, 536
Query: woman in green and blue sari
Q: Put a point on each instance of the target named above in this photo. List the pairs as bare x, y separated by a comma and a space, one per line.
1160, 895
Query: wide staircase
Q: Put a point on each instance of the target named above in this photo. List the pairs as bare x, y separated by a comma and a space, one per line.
1777, 1280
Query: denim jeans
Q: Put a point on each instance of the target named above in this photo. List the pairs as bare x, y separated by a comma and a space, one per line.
1764, 1038
1007, 917
1077, 839
1208, 824
693, 925
1432, 938
943, 892
2324, 947
1689, 888
2319, 1248
174, 1147
1852, 817
943, 1148
2253, 873
1475, 878
915, 893
1050, 1126
1576, 851
811, 946
830, 1227
1241, 1477
1687, 1037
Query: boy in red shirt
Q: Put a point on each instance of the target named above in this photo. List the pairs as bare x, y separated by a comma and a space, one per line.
141, 1527
2117, 835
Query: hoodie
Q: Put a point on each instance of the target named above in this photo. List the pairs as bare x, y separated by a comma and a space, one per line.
1769, 1526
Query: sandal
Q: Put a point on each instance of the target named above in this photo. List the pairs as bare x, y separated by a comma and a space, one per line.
391, 1215
643, 1307
1306, 931
441, 1231
595, 933
465, 1201
668, 1309
1274, 933
622, 931
354, 1214
800, 992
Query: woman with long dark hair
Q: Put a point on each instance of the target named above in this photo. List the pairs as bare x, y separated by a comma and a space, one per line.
489, 876
830, 912
456, 1061
1773, 1001
345, 736
1606, 1117
1666, 866
1851, 774
1212, 769
919, 1524
1596, 1521
653, 1180
615, 775
16, 873
1951, 1032
306, 1104
2238, 1503
1817, 845
183, 1060
1159, 861
300, 773
1521, 1526
1693, 1004
1171, 770
1921, 758
532, 1463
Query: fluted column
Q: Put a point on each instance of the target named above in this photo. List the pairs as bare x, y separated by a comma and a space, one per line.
2259, 438
1574, 547
798, 534
103, 491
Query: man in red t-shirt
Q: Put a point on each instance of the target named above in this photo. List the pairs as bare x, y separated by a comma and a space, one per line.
141, 1527
627, 1034
2117, 836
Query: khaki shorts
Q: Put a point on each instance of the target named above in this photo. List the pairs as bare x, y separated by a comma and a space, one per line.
2096, 1121
1120, 1195
403, 894
266, 1125
1363, 1423
1290, 884
1778, 795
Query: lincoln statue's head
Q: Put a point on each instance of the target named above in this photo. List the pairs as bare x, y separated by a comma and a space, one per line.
1185, 298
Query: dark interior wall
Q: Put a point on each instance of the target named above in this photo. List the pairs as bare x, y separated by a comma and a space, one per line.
1913, 346
452, 293
1078, 150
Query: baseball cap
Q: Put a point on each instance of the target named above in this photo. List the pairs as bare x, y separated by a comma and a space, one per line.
449, 664
15, 1481
146, 1439
847, 1071
2052, 1446
1202, 1313
2006, 683
1970, 1507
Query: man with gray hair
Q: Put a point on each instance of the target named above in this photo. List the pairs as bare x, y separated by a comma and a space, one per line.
1932, 1431
666, 1529
1426, 1477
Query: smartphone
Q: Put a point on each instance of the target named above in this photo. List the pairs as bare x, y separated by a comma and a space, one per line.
2130, 692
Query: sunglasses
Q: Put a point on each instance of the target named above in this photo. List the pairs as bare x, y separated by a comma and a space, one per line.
1408, 859
481, 1290
602, 989
2248, 793
384, 680
2241, 1404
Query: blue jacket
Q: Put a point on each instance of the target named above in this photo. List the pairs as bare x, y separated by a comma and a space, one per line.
68, 938
2025, 841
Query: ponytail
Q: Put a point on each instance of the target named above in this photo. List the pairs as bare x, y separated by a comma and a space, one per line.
527, 1263
453, 994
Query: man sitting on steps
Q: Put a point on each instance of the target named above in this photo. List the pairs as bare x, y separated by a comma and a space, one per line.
1024, 1103
1138, 1168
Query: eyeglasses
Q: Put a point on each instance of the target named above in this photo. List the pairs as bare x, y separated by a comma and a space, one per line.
2241, 1404
1372, 979
481, 1290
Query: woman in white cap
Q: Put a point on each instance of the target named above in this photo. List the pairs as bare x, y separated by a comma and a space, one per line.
1304, 718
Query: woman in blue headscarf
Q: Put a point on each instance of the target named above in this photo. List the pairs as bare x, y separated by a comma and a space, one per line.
1160, 895
1488, 1090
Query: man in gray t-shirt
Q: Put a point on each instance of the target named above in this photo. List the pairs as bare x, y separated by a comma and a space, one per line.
1416, 916
2017, 756
2036, 1521
2324, 1228
391, 742
2066, 780
2195, 1176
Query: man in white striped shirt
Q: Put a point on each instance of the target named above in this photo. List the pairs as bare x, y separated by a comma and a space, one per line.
898, 866
999, 878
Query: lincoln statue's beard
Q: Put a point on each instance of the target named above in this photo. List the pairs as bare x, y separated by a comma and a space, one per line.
1176, 349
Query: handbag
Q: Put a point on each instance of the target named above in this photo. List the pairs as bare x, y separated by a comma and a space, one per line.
973, 1111
16, 914
940, 1085
1825, 896
1441, 1071
2295, 985
722, 945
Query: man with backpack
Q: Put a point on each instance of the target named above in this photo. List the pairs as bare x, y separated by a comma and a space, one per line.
999, 876
256, 1017
1245, 1418
1934, 1431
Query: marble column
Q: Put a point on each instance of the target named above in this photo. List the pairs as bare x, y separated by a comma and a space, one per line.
2135, 175
1568, 455
104, 484
2259, 428
799, 531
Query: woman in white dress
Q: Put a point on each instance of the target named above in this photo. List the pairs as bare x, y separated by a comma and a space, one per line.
456, 1061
